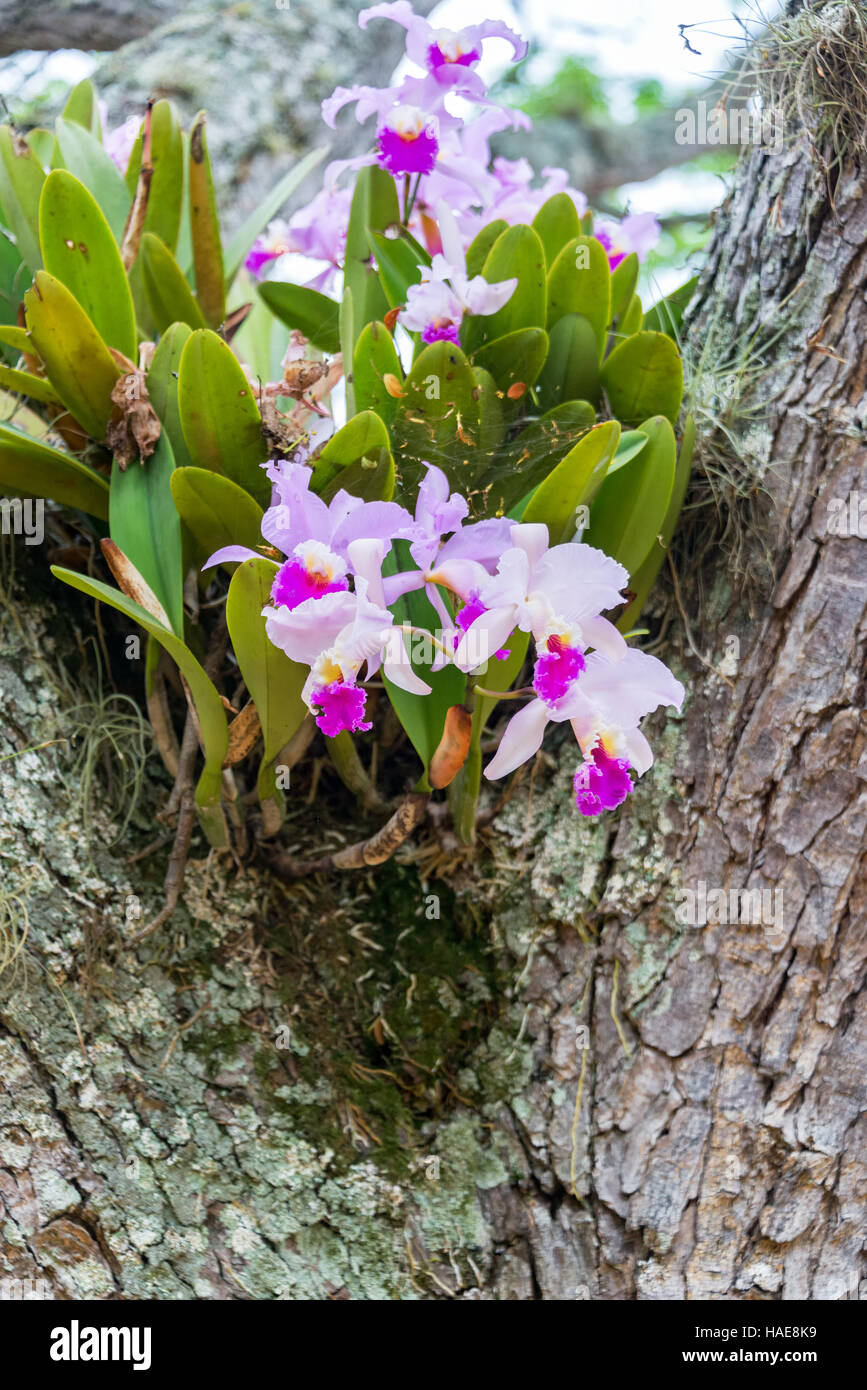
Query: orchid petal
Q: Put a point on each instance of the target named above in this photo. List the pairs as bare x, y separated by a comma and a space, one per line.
521, 740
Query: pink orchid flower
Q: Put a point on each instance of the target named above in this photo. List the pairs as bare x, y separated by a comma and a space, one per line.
315, 536
436, 307
638, 233
604, 701
335, 635
448, 57
535, 587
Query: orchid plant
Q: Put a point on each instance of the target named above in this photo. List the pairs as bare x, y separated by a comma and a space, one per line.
426, 462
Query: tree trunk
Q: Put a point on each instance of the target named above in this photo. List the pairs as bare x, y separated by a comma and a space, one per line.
520, 1077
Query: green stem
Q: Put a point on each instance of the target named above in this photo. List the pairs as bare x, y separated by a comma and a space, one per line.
349, 768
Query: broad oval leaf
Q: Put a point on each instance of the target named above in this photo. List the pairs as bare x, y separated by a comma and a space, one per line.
480, 246
219, 415
77, 361
643, 377
571, 370
375, 360
216, 511
360, 437
573, 481
580, 283
78, 151
162, 380
517, 252
437, 420
628, 512
557, 222
79, 249
642, 581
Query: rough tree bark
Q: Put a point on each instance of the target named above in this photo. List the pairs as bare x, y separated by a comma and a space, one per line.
100, 24
524, 1078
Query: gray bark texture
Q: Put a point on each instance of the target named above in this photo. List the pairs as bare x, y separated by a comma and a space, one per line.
86, 24
516, 1075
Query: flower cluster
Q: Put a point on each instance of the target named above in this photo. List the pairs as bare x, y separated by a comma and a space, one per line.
331, 602
446, 159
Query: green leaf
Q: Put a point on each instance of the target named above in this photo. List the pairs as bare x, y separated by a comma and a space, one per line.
216, 510
517, 252
80, 251
21, 180
205, 227
479, 248
630, 446
632, 318
667, 315
492, 421
209, 706
163, 216
374, 207
575, 478
514, 360
274, 682
421, 716
41, 142
240, 242
371, 478
219, 416
398, 265
533, 454
437, 420
375, 358
76, 149
623, 282
642, 377
26, 384
16, 337
347, 347
163, 388
580, 283
571, 370
628, 511
308, 311
83, 107
78, 363
170, 298
144, 524
360, 437
644, 578
557, 222
37, 470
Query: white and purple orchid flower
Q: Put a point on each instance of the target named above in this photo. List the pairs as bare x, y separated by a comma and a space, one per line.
335, 635
315, 536
567, 585
638, 232
448, 57
436, 307
604, 700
